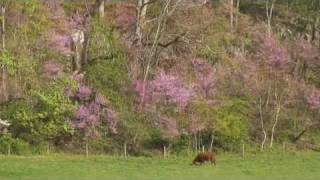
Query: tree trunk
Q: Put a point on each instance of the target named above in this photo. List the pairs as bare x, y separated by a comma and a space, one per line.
243, 150
262, 125
237, 14
231, 15
3, 27
87, 149
141, 14
78, 43
211, 143
125, 150
269, 11
275, 124
99, 8
4, 81
153, 49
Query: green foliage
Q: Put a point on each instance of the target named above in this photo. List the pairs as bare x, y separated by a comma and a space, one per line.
30, 30
15, 146
107, 77
44, 116
229, 121
232, 122
107, 68
7, 61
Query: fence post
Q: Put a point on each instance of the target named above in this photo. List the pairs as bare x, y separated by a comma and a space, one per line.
125, 150
164, 152
87, 150
9, 149
243, 150
48, 148
202, 148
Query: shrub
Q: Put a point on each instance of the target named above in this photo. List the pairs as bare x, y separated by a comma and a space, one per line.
17, 146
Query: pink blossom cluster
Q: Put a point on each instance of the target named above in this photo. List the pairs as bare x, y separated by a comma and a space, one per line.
61, 43
84, 93
124, 20
52, 69
313, 98
172, 88
86, 116
166, 87
274, 55
206, 77
77, 22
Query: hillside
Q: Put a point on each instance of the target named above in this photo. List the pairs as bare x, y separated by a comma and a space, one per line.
174, 75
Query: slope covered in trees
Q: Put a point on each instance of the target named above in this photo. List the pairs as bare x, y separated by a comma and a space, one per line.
98, 75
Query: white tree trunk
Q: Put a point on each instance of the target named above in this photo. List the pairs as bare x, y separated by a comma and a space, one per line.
141, 16
100, 6
211, 143
262, 125
275, 124
269, 11
78, 42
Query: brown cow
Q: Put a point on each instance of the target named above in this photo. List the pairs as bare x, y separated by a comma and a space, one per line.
205, 157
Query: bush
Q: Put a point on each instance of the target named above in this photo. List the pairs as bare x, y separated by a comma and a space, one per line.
42, 116
232, 125
16, 146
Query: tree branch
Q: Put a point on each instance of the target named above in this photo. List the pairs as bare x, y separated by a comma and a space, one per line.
165, 45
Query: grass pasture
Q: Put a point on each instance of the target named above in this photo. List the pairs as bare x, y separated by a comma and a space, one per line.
261, 166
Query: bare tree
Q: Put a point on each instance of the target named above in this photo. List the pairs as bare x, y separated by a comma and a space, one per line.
262, 124
231, 15
237, 13
142, 6
278, 102
269, 12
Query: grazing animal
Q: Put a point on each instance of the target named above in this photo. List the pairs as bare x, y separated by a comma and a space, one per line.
205, 157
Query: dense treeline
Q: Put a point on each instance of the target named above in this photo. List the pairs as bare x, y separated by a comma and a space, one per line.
101, 75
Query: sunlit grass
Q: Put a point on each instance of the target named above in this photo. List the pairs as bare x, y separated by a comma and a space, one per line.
260, 166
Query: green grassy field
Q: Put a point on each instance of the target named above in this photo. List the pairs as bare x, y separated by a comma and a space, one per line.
262, 166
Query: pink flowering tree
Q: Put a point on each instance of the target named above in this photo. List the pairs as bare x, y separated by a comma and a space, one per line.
305, 54
166, 88
124, 20
112, 120
271, 84
52, 70
86, 118
206, 79
84, 93
272, 54
155, 95
312, 96
171, 88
